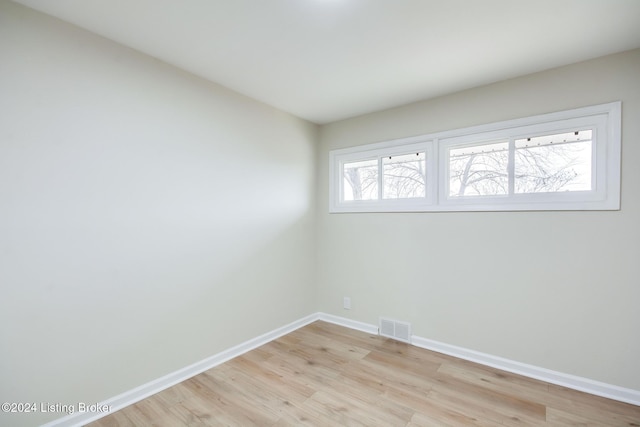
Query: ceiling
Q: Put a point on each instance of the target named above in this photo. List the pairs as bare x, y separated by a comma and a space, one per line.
326, 60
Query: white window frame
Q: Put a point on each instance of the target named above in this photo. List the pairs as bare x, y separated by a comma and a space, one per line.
604, 120
374, 151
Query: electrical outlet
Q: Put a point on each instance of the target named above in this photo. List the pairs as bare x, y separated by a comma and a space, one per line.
346, 303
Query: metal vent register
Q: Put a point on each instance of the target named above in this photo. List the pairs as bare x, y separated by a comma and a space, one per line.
395, 329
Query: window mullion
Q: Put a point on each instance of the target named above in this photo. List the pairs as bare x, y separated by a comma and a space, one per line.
380, 178
434, 176
511, 166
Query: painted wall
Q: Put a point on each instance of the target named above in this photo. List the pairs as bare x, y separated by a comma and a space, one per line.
558, 290
148, 219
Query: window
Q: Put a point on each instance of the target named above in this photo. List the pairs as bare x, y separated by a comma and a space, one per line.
404, 176
360, 180
552, 163
394, 176
568, 160
479, 170
387, 179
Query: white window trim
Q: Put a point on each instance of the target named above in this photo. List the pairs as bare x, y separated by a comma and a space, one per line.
604, 119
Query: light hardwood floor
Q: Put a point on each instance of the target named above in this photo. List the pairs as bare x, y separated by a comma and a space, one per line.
327, 375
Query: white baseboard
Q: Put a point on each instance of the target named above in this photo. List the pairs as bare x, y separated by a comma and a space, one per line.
352, 324
566, 380
135, 395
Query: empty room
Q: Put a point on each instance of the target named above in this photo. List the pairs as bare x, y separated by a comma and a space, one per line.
319, 212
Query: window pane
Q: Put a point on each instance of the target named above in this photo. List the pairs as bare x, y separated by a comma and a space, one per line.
404, 176
480, 170
552, 163
360, 180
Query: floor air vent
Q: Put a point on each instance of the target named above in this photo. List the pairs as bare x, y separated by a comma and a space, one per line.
395, 329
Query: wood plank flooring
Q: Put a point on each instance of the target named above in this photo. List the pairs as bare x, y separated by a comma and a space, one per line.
327, 375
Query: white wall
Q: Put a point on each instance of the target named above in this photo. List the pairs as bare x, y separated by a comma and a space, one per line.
148, 219
558, 290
